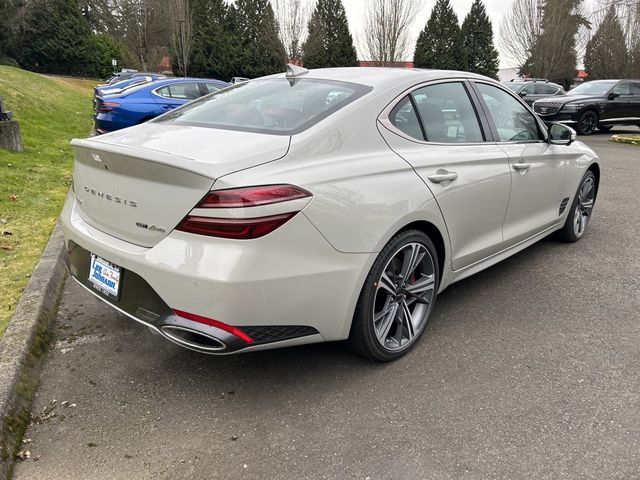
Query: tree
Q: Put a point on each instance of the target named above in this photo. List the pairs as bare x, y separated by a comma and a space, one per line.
107, 49
387, 27
329, 43
182, 35
606, 55
553, 55
57, 39
145, 26
519, 29
440, 43
260, 51
477, 41
292, 17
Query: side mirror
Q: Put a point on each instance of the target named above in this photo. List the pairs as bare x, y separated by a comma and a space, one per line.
523, 94
560, 134
613, 95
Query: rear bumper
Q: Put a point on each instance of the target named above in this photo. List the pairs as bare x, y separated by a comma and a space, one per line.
289, 287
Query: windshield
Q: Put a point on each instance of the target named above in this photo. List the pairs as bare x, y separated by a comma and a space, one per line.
514, 86
593, 88
276, 105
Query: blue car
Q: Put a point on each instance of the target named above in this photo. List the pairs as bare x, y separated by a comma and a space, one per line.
139, 103
118, 87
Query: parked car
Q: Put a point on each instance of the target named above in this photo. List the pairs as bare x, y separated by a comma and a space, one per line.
121, 86
535, 89
118, 87
265, 216
597, 104
140, 103
125, 74
235, 80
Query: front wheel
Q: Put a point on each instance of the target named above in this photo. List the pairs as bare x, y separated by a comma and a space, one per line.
397, 298
587, 122
581, 210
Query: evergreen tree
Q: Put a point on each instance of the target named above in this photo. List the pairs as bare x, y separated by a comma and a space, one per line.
260, 51
606, 55
477, 41
57, 39
440, 43
329, 43
214, 48
553, 54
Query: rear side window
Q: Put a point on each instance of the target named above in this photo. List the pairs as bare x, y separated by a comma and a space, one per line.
512, 120
275, 105
180, 91
635, 89
404, 118
546, 89
447, 114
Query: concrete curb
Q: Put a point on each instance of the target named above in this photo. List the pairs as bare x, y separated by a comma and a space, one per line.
623, 139
22, 347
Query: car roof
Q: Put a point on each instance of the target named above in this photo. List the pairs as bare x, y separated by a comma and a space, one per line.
384, 77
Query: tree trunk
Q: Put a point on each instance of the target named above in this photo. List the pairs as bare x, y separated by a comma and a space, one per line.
10, 137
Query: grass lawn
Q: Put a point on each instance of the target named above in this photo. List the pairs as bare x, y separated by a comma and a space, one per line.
34, 183
632, 138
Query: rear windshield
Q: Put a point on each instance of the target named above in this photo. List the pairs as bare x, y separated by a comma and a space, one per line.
277, 106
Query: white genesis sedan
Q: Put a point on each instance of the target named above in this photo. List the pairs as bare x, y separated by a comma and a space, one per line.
318, 205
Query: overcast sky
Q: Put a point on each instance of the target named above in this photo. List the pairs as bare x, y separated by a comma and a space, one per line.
495, 9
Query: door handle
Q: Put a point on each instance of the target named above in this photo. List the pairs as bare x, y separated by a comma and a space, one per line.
521, 167
442, 176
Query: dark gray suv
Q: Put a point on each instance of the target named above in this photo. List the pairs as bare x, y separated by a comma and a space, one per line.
534, 89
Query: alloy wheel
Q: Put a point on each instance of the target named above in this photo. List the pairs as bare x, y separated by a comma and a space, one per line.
588, 123
404, 296
584, 206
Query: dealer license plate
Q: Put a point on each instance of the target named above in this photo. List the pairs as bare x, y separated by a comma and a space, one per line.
104, 275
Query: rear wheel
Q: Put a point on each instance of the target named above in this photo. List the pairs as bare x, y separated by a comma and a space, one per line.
581, 209
587, 122
397, 298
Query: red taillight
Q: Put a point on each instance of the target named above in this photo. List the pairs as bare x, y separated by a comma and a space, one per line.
252, 196
247, 197
106, 107
215, 323
237, 228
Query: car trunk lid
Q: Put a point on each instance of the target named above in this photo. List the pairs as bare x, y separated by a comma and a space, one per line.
139, 191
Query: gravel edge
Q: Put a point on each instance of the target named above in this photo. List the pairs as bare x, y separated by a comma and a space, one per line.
23, 345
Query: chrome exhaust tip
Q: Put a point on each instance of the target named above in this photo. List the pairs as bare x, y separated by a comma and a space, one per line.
193, 339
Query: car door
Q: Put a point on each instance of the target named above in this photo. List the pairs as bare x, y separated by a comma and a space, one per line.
634, 102
537, 167
437, 130
528, 93
544, 90
619, 103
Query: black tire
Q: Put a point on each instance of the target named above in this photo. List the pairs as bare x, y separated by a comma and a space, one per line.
399, 334
571, 231
587, 122
605, 128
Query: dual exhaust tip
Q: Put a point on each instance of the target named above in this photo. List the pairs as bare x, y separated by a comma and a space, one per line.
193, 339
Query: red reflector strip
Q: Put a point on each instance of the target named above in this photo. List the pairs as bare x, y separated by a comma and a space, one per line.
235, 228
215, 323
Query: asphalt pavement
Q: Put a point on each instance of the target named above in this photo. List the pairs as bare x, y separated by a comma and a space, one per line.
528, 370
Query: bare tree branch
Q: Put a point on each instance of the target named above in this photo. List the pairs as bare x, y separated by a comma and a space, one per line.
387, 26
292, 17
519, 29
182, 37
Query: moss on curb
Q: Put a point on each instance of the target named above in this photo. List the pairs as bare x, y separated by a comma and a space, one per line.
630, 139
